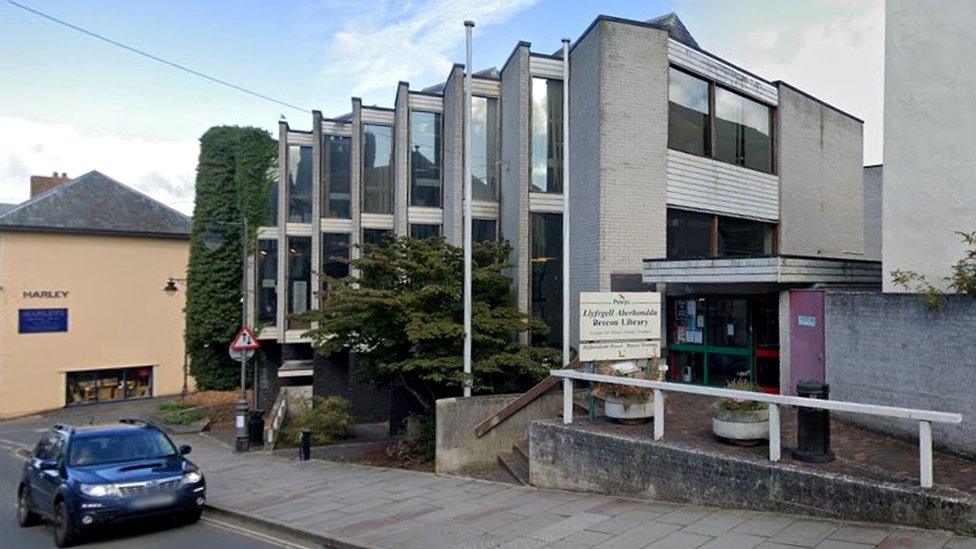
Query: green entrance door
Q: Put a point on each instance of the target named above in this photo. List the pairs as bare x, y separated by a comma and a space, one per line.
710, 339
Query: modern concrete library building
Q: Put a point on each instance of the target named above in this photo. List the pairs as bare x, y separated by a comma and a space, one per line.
690, 175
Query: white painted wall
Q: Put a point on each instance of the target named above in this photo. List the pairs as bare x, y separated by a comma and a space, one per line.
929, 135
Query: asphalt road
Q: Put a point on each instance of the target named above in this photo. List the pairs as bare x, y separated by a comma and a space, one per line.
159, 534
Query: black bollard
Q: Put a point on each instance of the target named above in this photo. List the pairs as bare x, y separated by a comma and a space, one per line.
305, 446
255, 427
813, 425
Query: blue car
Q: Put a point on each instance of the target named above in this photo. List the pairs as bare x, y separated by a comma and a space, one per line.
85, 477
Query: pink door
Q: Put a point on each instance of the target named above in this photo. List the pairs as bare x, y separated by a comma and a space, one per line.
806, 336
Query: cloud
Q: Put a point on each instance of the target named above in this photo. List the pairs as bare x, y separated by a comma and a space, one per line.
839, 60
409, 41
165, 170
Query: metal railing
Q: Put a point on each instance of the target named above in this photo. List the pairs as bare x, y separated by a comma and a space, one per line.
925, 418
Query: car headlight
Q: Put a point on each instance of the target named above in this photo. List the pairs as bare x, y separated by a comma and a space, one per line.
99, 490
192, 477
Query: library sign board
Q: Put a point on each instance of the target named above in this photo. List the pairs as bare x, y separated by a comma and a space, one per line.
619, 325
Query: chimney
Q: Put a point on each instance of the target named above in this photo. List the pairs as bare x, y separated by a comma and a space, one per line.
44, 183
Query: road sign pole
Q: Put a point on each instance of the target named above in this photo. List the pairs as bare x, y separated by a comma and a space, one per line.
241, 443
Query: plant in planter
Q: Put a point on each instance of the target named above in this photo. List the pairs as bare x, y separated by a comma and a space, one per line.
741, 421
625, 403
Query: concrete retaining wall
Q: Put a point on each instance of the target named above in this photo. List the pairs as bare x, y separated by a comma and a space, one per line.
572, 457
892, 349
458, 448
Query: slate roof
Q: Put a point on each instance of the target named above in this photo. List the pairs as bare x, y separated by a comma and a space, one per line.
676, 29
95, 203
6, 207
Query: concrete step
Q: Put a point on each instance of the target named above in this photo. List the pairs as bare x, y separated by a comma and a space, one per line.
516, 464
522, 447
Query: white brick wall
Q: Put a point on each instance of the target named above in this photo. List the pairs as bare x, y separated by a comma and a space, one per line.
515, 169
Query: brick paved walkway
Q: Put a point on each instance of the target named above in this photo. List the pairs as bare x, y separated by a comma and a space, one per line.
373, 507
860, 453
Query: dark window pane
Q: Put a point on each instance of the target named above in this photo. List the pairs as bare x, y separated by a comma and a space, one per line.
424, 231
425, 159
335, 176
767, 372
484, 148
271, 204
725, 368
299, 279
376, 237
728, 322
744, 237
299, 184
267, 282
377, 169
743, 131
547, 275
766, 322
335, 258
687, 366
689, 235
688, 120
547, 135
484, 230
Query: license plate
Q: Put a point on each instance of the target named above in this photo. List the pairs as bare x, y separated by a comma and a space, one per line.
149, 502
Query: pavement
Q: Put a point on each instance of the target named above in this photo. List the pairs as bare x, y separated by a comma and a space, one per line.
336, 504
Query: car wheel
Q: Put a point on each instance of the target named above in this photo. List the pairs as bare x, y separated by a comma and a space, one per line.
64, 533
25, 516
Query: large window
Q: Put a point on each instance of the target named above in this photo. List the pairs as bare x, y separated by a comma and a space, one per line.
425, 159
693, 235
689, 235
335, 258
484, 148
108, 385
547, 136
267, 282
377, 169
376, 237
743, 131
484, 230
418, 230
547, 275
299, 184
688, 120
738, 130
336, 176
299, 279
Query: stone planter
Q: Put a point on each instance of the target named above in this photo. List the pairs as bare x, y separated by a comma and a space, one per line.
743, 427
628, 409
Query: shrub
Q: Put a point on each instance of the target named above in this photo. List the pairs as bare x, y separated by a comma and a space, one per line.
741, 404
177, 412
328, 418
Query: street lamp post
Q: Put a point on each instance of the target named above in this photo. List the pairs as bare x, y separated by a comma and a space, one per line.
214, 240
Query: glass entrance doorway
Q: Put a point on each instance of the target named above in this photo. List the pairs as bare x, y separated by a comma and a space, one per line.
713, 340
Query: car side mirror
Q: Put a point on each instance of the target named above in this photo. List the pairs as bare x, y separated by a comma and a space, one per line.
185, 449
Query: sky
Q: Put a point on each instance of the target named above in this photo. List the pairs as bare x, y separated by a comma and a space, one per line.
71, 103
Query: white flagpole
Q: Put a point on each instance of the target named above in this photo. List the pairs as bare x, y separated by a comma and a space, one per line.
468, 26
566, 201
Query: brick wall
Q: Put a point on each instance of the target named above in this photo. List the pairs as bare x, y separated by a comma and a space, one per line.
454, 157
893, 350
515, 169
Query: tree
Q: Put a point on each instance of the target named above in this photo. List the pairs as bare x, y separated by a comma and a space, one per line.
403, 316
962, 280
233, 178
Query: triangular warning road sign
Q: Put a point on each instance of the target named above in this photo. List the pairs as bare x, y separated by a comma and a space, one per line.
244, 340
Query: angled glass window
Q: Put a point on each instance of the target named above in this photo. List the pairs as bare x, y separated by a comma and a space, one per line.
425, 159
299, 184
743, 131
484, 148
744, 237
377, 168
547, 274
335, 176
418, 230
688, 118
547, 136
689, 235
484, 230
299, 279
267, 304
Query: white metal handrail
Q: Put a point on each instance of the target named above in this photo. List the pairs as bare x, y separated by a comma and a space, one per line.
925, 418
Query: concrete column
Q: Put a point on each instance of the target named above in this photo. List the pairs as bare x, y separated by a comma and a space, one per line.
356, 177
401, 159
282, 285
317, 156
454, 156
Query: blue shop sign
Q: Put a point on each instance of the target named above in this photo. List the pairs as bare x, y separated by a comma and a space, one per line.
38, 321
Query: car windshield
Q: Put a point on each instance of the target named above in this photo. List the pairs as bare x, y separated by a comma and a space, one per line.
116, 447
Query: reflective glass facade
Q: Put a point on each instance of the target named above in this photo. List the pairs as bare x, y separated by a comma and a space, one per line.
336, 176
484, 148
425, 159
547, 275
335, 258
299, 279
743, 131
484, 230
418, 230
267, 282
377, 168
300, 184
688, 118
547, 136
